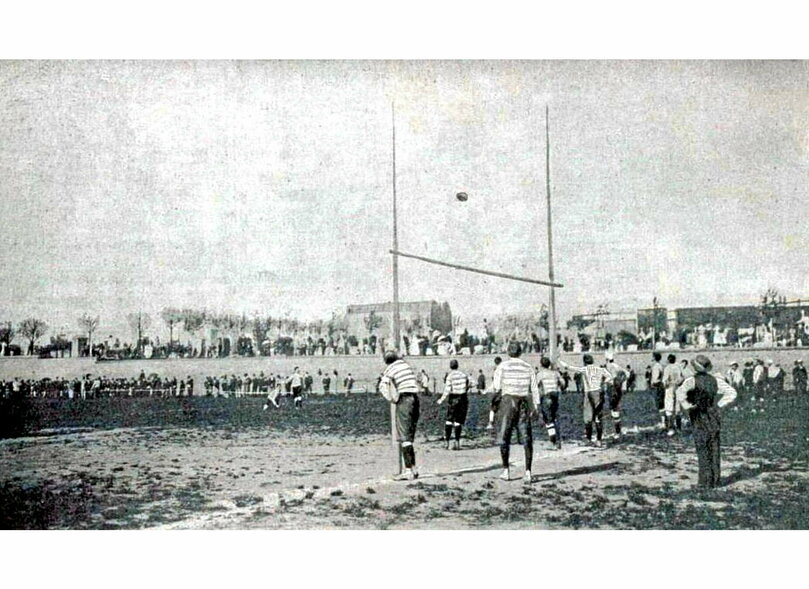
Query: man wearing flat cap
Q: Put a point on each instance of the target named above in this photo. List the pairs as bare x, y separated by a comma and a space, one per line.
702, 395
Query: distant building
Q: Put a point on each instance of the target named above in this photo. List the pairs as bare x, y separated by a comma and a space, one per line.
421, 317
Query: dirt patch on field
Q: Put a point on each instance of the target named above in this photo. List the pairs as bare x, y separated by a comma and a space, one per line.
310, 471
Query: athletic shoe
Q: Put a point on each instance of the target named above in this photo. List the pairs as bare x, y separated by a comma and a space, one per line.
527, 477
616, 437
558, 445
504, 476
670, 433
598, 444
407, 475
490, 426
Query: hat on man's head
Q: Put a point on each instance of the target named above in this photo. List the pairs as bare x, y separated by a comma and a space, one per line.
734, 363
701, 364
799, 361
769, 361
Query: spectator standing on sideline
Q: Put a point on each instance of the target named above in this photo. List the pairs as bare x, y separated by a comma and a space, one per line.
799, 377
702, 395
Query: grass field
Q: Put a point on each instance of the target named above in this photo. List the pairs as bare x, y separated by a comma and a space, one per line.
225, 463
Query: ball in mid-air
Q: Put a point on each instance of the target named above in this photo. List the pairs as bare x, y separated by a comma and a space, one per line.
462, 196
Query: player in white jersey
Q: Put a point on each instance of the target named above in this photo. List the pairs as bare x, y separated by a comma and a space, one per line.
296, 385
658, 388
456, 389
399, 386
672, 378
616, 386
515, 380
496, 397
548, 400
593, 378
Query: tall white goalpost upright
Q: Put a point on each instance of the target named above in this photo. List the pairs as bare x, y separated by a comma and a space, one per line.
552, 294
396, 326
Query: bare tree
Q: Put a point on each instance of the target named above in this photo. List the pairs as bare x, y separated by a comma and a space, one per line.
32, 329
772, 306
139, 322
7, 334
89, 324
171, 317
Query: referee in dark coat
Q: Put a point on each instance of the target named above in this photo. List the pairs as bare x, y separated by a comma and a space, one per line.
702, 395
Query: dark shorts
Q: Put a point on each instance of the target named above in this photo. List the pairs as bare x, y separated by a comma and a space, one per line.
549, 406
515, 413
296, 392
407, 417
593, 406
457, 407
615, 394
660, 395
496, 401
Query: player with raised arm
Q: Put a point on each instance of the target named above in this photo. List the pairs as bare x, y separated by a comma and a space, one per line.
515, 380
593, 378
456, 391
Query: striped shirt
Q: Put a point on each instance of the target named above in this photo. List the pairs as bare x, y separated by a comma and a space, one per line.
515, 377
592, 375
456, 383
402, 376
548, 380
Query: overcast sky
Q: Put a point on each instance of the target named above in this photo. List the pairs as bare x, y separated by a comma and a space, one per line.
266, 186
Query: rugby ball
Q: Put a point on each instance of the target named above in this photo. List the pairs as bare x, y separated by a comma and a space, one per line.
462, 196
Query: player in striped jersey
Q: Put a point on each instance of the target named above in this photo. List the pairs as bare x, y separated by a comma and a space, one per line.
547, 400
593, 378
516, 381
400, 386
456, 388
616, 386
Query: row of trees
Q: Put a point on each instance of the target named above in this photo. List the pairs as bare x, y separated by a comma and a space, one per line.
31, 329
